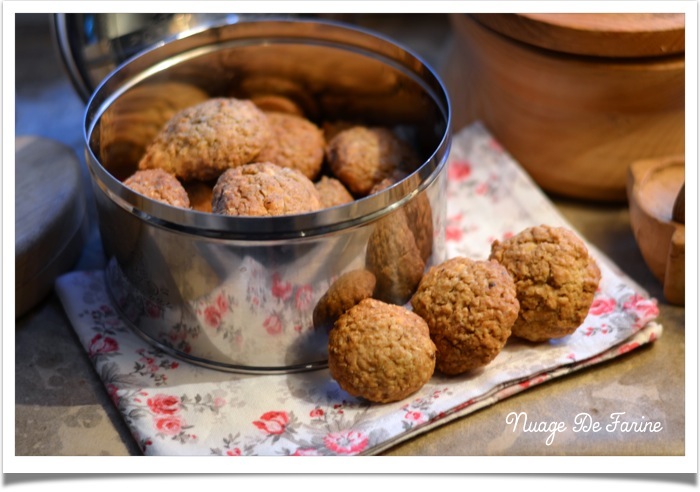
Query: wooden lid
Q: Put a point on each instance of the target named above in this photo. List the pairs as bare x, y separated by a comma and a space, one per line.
50, 217
609, 35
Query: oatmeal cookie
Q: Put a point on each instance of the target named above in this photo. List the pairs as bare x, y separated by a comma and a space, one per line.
295, 143
361, 157
159, 185
202, 141
394, 258
332, 192
380, 352
349, 289
555, 278
277, 104
387, 182
264, 189
277, 85
419, 214
470, 307
131, 123
332, 128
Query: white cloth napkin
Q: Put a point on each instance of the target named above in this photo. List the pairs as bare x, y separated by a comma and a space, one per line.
175, 408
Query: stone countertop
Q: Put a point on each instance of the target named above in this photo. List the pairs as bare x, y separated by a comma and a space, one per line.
62, 409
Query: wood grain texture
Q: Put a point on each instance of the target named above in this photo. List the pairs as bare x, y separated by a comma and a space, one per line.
50, 216
574, 123
652, 186
596, 34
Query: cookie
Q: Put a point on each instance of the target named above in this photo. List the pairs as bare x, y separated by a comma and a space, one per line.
264, 189
295, 142
419, 214
470, 307
131, 123
394, 258
159, 185
380, 352
275, 85
332, 192
332, 128
349, 289
202, 141
555, 277
277, 104
362, 157
387, 182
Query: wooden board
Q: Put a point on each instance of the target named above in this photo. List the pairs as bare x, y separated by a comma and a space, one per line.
596, 34
50, 217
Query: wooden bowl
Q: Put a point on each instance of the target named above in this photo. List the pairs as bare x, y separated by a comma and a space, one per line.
574, 101
656, 196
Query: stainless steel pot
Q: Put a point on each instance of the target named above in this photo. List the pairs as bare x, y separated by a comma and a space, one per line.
238, 293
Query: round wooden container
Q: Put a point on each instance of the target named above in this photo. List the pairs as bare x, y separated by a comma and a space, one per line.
575, 98
656, 193
51, 223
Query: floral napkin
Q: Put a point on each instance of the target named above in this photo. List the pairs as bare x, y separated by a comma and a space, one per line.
175, 408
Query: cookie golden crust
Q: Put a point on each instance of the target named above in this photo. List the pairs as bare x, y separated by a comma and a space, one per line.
349, 289
131, 123
159, 185
202, 141
264, 189
394, 258
277, 104
470, 307
295, 143
332, 128
362, 157
555, 277
272, 85
419, 216
380, 352
332, 192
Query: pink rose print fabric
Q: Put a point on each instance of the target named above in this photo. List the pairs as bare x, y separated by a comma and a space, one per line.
175, 408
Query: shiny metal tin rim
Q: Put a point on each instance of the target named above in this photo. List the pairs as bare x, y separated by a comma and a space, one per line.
267, 228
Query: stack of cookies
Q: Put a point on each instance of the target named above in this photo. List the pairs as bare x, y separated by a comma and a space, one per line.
538, 285
391, 324
255, 156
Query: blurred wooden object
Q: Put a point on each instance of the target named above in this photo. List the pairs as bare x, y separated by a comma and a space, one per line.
51, 223
656, 194
679, 206
614, 35
573, 120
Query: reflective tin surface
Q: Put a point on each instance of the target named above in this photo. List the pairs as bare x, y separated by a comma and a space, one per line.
238, 293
